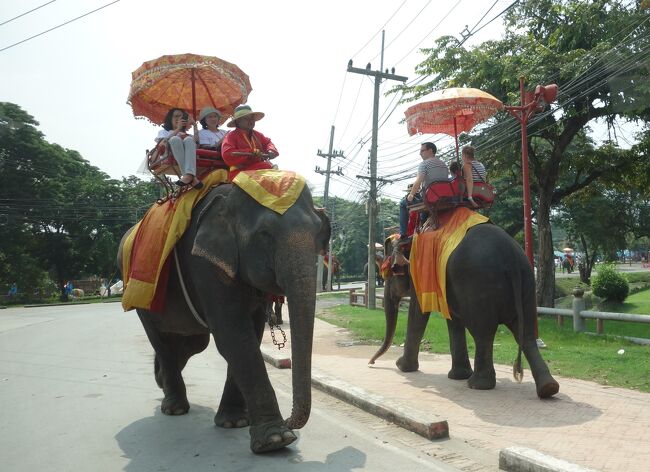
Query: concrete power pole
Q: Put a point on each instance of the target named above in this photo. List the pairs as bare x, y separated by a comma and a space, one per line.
330, 154
372, 198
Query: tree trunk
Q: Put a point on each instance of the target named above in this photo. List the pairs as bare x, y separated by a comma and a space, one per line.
545, 258
586, 262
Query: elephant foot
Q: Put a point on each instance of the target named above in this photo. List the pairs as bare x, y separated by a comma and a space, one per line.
270, 436
460, 373
174, 406
547, 388
485, 382
407, 366
232, 418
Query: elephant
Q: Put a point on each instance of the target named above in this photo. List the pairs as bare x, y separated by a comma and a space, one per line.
235, 253
567, 263
378, 277
336, 272
489, 282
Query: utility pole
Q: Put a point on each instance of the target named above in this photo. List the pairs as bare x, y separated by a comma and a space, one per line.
330, 154
372, 197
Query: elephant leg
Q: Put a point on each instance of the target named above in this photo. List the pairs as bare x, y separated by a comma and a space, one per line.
172, 354
484, 376
232, 412
545, 384
461, 369
238, 338
417, 323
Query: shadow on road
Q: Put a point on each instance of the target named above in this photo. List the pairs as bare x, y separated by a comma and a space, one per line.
192, 442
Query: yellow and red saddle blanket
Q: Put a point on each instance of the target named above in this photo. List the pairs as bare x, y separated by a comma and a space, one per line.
145, 266
145, 255
275, 189
430, 252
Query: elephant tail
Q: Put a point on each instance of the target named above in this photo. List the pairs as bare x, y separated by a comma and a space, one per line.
517, 370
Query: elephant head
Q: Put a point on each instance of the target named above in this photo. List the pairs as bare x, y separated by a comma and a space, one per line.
249, 246
397, 286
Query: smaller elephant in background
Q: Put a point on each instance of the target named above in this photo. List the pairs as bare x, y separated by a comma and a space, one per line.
336, 271
489, 282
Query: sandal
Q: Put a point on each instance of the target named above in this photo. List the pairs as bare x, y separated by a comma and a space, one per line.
180, 183
199, 185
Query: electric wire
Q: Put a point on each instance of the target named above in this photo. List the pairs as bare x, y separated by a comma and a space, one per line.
405, 28
27, 12
58, 26
380, 29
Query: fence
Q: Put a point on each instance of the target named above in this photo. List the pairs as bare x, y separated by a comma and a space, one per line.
360, 298
578, 313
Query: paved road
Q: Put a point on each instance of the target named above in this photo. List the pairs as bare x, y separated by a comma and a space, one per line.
78, 393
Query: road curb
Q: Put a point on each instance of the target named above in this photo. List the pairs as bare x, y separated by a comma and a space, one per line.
522, 459
425, 424
511, 459
276, 357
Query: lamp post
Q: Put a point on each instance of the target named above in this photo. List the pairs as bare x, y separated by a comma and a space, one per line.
523, 113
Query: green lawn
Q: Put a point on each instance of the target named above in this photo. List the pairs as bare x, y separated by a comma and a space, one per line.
570, 354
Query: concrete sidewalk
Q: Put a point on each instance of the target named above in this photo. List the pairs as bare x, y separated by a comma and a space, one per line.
592, 426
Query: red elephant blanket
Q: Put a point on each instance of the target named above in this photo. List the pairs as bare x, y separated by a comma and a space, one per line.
429, 254
146, 250
145, 262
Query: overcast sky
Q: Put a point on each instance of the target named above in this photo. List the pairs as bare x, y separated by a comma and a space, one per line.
75, 79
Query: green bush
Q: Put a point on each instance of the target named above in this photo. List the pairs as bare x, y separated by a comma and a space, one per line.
609, 284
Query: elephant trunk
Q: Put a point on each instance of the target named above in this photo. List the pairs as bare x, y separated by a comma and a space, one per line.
301, 297
391, 306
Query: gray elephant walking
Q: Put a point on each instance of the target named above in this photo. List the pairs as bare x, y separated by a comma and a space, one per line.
489, 282
234, 253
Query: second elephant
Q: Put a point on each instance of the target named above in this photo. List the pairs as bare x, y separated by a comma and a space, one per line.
489, 282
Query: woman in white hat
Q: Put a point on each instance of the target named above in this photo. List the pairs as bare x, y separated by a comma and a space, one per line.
210, 136
244, 148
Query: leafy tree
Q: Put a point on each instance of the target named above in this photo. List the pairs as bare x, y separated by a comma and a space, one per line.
597, 52
350, 229
58, 214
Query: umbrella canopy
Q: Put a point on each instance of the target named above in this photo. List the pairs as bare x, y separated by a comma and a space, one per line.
558, 253
189, 82
451, 111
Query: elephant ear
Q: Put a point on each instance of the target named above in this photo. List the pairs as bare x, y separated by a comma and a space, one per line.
215, 239
323, 237
388, 246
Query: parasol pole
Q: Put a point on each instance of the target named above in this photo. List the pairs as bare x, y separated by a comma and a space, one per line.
456, 138
193, 95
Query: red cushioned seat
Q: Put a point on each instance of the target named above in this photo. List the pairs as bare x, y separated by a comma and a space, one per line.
442, 190
162, 162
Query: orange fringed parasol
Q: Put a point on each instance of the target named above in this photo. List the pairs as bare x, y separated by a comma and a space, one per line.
189, 82
451, 111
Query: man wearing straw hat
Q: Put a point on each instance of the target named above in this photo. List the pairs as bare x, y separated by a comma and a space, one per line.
244, 148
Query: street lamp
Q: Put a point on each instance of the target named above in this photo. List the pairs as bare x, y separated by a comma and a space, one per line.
543, 94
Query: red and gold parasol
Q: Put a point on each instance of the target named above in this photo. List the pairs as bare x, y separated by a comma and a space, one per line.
189, 82
451, 111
